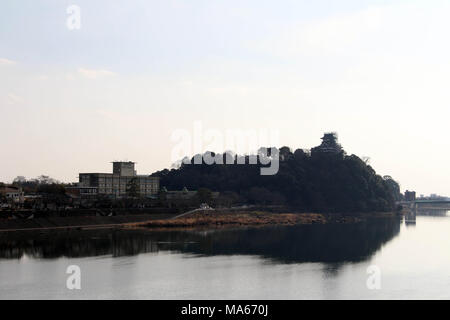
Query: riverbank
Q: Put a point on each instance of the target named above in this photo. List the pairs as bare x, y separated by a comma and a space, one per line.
83, 222
213, 218
199, 219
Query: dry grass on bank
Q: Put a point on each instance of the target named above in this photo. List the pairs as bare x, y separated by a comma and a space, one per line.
239, 218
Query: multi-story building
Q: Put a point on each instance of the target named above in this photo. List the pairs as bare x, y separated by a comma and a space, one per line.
410, 195
123, 181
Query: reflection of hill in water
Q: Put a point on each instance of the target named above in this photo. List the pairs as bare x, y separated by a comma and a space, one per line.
306, 243
432, 212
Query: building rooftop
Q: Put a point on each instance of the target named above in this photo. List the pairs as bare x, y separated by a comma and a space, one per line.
329, 144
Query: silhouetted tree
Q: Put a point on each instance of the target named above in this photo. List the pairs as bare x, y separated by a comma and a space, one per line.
204, 195
132, 188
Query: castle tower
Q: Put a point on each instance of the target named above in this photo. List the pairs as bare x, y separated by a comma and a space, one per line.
329, 144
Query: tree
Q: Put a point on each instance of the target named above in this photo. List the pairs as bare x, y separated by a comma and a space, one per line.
285, 153
43, 179
204, 195
132, 188
19, 180
51, 188
394, 187
228, 198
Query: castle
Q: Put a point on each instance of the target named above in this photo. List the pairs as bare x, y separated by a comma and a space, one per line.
329, 145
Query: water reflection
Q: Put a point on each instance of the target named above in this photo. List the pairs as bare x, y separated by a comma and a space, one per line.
331, 243
410, 218
432, 212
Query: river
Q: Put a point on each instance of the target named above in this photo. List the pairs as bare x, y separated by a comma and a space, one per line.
378, 259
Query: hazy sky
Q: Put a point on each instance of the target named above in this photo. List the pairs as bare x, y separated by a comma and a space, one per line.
377, 72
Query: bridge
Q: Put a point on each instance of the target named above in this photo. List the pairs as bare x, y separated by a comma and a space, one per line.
439, 201
429, 204
429, 207
427, 201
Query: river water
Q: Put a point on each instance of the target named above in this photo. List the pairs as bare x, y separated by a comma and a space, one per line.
378, 259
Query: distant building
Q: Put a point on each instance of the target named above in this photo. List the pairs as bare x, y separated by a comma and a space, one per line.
119, 183
433, 196
329, 145
410, 195
13, 193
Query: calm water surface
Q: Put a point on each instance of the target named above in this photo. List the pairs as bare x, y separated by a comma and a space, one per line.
301, 262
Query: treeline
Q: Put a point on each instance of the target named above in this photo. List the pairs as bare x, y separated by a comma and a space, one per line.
322, 182
42, 185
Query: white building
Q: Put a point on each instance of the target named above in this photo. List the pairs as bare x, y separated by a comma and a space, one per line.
14, 193
118, 183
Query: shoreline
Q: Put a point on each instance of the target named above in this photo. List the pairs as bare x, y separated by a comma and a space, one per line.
198, 220
50, 224
256, 218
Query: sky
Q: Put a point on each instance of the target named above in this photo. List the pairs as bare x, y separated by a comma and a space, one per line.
135, 72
